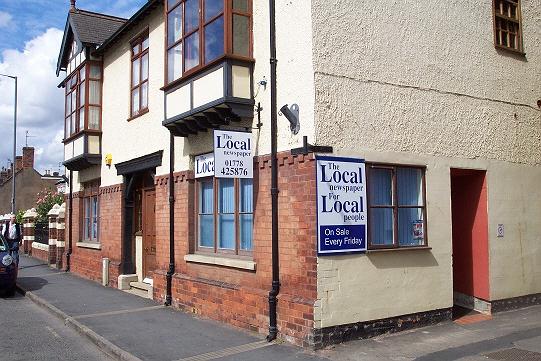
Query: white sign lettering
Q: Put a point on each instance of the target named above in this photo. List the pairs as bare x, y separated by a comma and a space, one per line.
233, 154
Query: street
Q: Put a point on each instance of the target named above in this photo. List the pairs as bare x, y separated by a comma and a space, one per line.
31, 333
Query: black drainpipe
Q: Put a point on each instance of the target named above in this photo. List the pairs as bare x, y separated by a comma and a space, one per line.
171, 271
70, 222
273, 330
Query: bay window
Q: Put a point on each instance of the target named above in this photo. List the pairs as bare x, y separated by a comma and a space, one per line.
225, 215
83, 100
202, 31
396, 205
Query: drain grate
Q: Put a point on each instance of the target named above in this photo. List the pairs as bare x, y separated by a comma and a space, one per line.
514, 354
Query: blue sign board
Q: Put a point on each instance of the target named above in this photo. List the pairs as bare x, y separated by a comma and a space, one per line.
341, 205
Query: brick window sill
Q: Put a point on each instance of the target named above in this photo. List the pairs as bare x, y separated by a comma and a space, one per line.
91, 245
221, 261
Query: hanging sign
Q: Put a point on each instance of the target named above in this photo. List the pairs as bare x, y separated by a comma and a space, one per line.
204, 165
341, 205
233, 154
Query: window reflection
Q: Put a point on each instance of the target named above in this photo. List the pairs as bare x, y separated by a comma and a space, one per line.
214, 40
192, 15
191, 48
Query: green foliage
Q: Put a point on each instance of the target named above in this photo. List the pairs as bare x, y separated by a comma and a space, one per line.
19, 216
45, 201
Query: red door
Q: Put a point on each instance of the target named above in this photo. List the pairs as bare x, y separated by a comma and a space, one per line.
149, 232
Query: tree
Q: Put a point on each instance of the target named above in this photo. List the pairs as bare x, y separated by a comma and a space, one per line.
45, 201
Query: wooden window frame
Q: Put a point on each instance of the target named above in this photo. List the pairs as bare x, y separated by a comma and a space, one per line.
138, 41
395, 207
498, 18
237, 252
89, 193
227, 14
75, 89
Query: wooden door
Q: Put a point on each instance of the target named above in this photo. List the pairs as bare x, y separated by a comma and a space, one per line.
149, 232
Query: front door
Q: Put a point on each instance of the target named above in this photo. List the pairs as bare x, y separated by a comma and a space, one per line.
149, 232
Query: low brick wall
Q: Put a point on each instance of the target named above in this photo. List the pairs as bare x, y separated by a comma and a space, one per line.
40, 251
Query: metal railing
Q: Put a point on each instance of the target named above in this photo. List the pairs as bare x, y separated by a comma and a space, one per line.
41, 233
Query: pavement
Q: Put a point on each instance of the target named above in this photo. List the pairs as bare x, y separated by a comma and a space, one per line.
128, 327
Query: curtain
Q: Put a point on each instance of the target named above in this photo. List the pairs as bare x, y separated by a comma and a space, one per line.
409, 184
246, 209
381, 194
206, 213
226, 213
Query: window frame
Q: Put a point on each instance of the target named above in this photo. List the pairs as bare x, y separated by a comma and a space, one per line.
75, 89
395, 206
90, 193
215, 250
138, 41
497, 16
227, 15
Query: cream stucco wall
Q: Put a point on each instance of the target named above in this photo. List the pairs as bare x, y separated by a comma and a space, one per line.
421, 83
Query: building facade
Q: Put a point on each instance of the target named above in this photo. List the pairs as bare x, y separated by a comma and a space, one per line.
445, 119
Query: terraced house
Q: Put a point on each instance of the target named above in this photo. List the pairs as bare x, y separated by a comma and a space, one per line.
434, 107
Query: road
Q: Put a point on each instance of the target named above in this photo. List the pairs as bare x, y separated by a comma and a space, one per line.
30, 333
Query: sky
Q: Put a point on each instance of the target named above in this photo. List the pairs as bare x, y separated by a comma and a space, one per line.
30, 38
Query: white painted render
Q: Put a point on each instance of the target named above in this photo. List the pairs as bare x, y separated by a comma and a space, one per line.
421, 83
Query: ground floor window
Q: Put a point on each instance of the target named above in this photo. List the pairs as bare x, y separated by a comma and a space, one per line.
396, 205
225, 215
90, 212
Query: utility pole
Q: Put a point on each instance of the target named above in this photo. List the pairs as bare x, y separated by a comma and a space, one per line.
13, 209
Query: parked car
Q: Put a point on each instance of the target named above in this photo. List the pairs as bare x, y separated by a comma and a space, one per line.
8, 269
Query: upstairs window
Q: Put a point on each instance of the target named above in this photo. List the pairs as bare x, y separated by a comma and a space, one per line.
225, 215
83, 100
396, 206
202, 31
139, 75
507, 25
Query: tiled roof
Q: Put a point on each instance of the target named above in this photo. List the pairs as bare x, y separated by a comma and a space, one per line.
93, 28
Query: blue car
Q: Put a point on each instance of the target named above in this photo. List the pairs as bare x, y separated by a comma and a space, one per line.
8, 269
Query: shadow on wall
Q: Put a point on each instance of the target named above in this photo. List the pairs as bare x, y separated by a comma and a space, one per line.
401, 259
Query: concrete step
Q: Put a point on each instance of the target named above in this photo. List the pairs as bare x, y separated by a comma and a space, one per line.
142, 289
138, 292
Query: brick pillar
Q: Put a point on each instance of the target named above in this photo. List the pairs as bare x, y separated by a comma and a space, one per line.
60, 236
29, 230
53, 215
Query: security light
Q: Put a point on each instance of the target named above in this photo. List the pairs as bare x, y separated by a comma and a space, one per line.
292, 114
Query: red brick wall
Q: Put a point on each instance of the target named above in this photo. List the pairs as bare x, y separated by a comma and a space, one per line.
240, 297
87, 262
40, 254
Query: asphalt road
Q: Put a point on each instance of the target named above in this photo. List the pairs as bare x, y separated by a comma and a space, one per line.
27, 332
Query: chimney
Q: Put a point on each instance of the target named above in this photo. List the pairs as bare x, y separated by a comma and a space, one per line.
28, 157
55, 174
72, 8
18, 163
3, 175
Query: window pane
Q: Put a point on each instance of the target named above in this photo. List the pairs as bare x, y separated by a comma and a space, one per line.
82, 94
246, 196
94, 92
135, 101
213, 8
206, 230
94, 118
135, 49
241, 5
381, 226
191, 20
144, 95
191, 57
409, 186
381, 190
94, 218
174, 26
410, 227
241, 35
87, 218
226, 231
206, 197
246, 227
226, 195
135, 72
95, 71
74, 101
171, 3
214, 40
174, 63
144, 43
81, 118
144, 64
82, 74
73, 123
68, 104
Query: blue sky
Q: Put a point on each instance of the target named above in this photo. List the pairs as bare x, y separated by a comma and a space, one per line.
27, 19
30, 37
